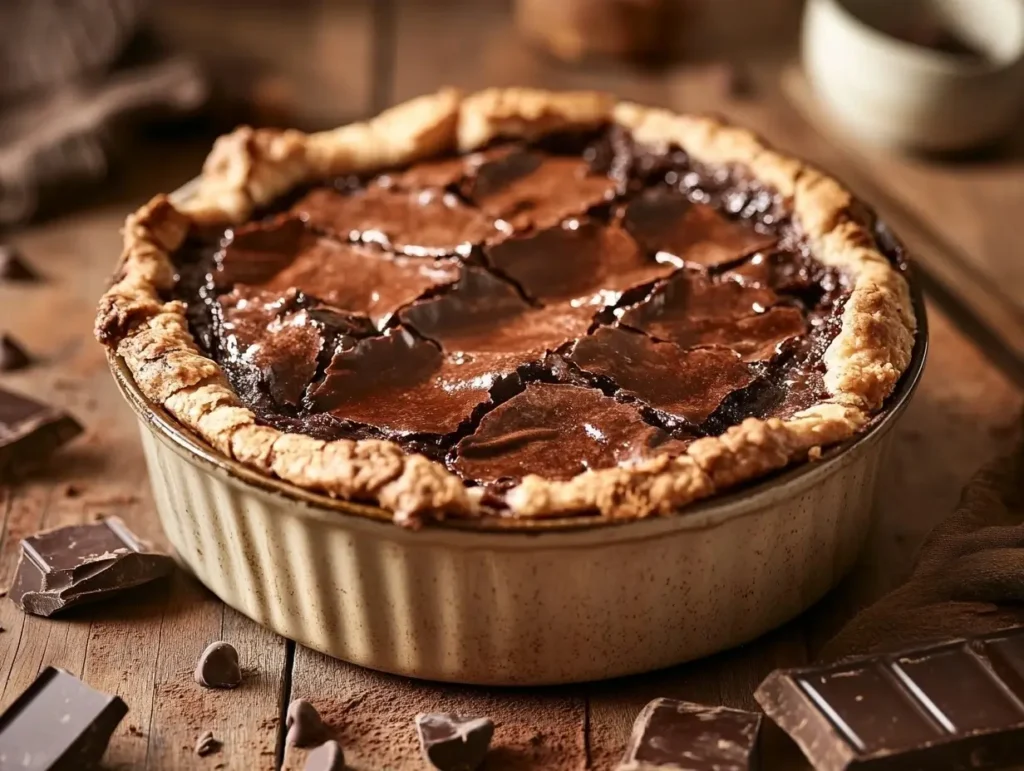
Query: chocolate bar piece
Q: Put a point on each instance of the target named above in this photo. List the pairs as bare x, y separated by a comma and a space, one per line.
30, 431
959, 705
453, 743
682, 736
82, 563
58, 724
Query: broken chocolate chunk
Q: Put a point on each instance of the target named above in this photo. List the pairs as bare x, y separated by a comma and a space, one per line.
12, 354
584, 262
564, 429
424, 224
72, 565
13, 266
671, 735
679, 385
304, 725
329, 756
453, 743
206, 744
218, 666
29, 432
58, 724
667, 223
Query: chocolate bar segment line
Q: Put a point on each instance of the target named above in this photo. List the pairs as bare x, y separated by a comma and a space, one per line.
944, 706
58, 724
671, 735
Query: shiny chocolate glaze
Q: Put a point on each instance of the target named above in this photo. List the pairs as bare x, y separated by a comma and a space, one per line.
542, 308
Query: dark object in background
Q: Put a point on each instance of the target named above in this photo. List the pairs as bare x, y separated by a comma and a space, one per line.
329, 756
305, 726
61, 140
573, 30
29, 432
13, 266
218, 666
66, 80
952, 706
58, 724
12, 355
453, 743
46, 43
82, 563
670, 734
207, 745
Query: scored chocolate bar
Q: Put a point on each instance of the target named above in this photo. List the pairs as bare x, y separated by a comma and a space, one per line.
58, 724
958, 705
30, 431
675, 735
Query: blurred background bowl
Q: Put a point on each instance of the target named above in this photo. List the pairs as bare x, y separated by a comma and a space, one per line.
933, 75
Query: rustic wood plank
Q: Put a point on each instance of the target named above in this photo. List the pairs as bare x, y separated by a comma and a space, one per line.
373, 714
144, 646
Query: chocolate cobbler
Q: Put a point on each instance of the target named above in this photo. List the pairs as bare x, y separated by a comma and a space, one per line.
546, 304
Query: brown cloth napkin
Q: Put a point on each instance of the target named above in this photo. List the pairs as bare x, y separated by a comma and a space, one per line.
968, 578
70, 71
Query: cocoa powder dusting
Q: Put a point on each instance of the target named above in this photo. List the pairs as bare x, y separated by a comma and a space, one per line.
376, 725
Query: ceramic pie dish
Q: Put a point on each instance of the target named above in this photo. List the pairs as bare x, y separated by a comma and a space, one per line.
536, 329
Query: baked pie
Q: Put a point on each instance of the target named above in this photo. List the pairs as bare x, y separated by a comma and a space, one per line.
515, 303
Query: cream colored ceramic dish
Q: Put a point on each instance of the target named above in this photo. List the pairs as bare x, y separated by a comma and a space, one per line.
515, 602
890, 92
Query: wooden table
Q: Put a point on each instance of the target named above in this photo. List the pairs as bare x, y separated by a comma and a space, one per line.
960, 219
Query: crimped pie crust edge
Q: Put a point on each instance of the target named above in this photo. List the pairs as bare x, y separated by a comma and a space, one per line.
249, 168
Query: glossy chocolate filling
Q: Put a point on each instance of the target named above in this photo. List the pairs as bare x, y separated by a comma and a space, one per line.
544, 308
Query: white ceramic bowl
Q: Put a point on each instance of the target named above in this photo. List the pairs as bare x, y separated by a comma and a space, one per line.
509, 602
891, 92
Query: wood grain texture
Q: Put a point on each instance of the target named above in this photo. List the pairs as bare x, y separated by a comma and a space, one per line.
144, 645
373, 714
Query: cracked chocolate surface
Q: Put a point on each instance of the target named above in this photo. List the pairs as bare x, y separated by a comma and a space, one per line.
573, 304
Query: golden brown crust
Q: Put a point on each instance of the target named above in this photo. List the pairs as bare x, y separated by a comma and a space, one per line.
528, 113
250, 168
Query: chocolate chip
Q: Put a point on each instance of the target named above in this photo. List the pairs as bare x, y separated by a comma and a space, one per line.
207, 745
218, 667
327, 757
13, 266
453, 743
305, 726
12, 355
